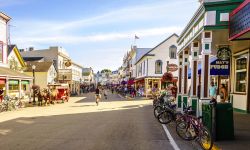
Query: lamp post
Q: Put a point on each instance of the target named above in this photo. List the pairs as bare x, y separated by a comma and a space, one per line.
33, 70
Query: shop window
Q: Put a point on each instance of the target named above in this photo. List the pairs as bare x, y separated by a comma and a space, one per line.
172, 52
241, 74
158, 67
13, 87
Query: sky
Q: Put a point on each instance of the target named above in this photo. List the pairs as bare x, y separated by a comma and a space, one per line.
95, 33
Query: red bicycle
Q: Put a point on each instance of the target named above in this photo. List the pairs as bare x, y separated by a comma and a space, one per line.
190, 128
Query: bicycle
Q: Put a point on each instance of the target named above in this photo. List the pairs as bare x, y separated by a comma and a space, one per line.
191, 128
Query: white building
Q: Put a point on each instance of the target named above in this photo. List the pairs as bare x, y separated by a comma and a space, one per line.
151, 66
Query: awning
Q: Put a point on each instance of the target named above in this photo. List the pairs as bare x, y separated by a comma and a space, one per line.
217, 67
131, 82
13, 74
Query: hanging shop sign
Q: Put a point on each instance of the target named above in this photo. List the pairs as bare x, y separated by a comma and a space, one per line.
224, 53
220, 67
68, 63
172, 67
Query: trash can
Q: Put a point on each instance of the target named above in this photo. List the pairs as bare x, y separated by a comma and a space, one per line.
207, 115
219, 120
224, 121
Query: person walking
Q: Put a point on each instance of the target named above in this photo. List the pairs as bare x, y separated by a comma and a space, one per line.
97, 95
105, 93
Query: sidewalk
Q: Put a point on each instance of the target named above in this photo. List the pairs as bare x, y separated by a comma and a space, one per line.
241, 134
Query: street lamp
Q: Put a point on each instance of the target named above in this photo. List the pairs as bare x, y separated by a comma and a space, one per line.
33, 70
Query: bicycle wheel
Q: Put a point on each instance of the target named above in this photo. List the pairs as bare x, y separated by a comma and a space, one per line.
165, 117
157, 111
205, 139
183, 131
178, 117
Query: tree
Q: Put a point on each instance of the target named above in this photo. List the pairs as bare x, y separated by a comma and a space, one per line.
106, 71
167, 77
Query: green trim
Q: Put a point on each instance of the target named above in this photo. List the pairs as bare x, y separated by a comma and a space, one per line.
194, 104
240, 110
179, 101
25, 82
219, 27
185, 99
218, 12
226, 6
13, 82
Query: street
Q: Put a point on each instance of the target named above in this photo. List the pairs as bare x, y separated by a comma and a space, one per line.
79, 124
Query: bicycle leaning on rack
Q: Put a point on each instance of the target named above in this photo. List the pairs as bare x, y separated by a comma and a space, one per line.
190, 127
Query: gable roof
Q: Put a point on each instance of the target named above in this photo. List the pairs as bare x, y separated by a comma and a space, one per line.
12, 73
40, 66
147, 54
17, 53
140, 52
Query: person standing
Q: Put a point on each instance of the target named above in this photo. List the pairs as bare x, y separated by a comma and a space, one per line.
105, 93
212, 91
223, 93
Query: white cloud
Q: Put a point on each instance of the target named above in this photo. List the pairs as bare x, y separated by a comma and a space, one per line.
104, 37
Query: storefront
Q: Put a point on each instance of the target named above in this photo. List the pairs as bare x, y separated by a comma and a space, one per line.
205, 37
239, 36
15, 84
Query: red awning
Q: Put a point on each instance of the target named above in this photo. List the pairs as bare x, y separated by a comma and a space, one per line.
2, 81
131, 82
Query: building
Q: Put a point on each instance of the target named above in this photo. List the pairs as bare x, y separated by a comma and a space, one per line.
151, 65
45, 73
205, 40
88, 76
12, 80
67, 71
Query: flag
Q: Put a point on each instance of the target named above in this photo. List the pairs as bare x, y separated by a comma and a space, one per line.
136, 37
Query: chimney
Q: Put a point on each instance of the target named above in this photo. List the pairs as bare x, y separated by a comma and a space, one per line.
31, 48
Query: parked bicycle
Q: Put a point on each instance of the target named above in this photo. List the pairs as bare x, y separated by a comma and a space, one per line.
190, 127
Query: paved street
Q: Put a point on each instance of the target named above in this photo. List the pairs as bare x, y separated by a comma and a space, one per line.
79, 124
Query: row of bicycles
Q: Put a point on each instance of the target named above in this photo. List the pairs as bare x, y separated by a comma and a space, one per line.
188, 126
9, 104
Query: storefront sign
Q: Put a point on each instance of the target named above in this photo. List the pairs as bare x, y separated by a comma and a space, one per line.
220, 67
224, 53
172, 67
240, 20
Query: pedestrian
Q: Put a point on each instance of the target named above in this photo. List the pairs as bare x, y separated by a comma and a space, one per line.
105, 93
223, 93
212, 91
97, 95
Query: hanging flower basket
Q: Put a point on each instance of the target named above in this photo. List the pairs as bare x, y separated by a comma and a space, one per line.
167, 77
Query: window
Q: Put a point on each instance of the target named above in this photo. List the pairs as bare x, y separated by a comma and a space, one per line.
172, 52
241, 74
158, 67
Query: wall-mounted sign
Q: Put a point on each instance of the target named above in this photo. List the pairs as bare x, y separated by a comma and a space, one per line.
220, 67
224, 53
172, 67
68, 63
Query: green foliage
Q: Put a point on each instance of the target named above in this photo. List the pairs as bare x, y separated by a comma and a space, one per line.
106, 71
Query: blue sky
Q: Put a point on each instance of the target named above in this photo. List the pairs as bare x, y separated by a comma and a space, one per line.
96, 33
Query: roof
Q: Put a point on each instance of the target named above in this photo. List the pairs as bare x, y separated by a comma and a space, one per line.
147, 53
40, 66
12, 73
140, 52
10, 48
17, 53
32, 58
6, 17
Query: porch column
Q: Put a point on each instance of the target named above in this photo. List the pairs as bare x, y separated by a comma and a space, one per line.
179, 97
206, 42
146, 87
7, 86
20, 88
194, 76
159, 84
185, 78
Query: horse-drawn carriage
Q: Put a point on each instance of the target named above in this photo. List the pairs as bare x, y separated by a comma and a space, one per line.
59, 92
